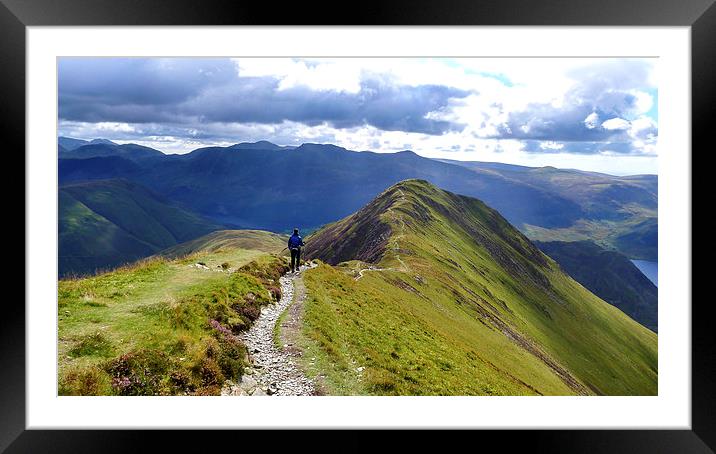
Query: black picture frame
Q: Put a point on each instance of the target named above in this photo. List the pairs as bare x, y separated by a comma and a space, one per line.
700, 15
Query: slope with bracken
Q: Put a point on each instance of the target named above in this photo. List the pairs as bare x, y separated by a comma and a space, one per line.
436, 293
167, 326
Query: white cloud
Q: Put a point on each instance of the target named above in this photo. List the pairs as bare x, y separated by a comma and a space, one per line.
107, 126
642, 127
592, 120
551, 145
616, 123
317, 75
644, 101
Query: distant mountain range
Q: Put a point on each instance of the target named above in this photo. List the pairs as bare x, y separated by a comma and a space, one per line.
130, 151
265, 186
436, 293
69, 144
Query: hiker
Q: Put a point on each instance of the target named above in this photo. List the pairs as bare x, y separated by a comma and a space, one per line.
294, 245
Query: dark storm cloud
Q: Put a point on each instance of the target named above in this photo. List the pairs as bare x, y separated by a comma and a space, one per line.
138, 81
193, 92
604, 91
384, 106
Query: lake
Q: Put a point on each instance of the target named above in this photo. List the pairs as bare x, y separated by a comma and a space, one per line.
650, 269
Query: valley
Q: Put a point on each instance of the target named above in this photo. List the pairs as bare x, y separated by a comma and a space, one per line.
609, 275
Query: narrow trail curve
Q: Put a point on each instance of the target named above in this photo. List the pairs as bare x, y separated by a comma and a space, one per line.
363, 270
274, 371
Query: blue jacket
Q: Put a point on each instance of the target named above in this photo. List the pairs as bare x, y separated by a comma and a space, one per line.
295, 241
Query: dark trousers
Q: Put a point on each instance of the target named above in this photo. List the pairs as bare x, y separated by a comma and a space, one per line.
295, 258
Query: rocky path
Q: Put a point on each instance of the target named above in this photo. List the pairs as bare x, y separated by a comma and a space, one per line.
274, 370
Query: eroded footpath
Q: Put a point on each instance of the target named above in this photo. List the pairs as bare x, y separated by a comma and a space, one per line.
273, 371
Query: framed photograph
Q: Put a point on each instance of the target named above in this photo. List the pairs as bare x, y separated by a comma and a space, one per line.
433, 216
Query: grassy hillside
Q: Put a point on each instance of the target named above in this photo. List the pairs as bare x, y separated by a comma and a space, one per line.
110, 222
163, 327
223, 240
88, 241
457, 301
639, 240
609, 275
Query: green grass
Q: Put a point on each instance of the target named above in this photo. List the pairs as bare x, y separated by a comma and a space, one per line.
466, 305
92, 345
277, 329
88, 241
408, 345
229, 240
147, 328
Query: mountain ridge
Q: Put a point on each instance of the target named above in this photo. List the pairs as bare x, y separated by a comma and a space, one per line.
451, 257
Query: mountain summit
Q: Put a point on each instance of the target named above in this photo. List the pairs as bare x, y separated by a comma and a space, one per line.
260, 145
449, 274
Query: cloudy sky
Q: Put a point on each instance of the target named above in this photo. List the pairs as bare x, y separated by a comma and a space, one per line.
590, 114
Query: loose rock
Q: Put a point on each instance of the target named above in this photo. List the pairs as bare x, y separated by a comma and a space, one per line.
273, 371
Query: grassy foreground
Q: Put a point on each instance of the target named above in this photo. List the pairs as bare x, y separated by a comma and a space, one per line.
369, 337
162, 327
